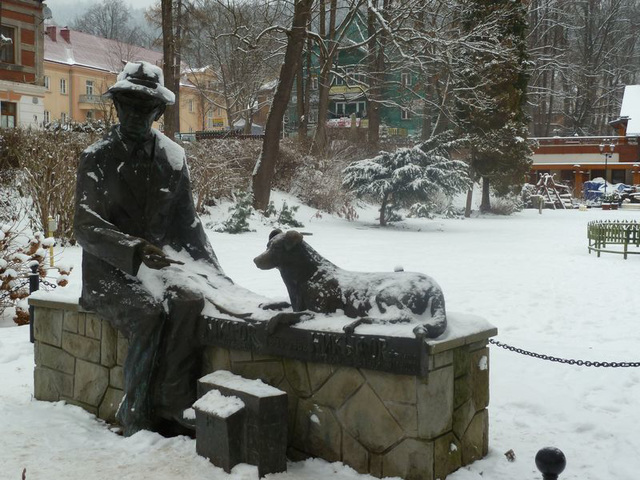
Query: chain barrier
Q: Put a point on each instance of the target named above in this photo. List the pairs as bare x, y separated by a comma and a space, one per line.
6, 293
569, 361
48, 284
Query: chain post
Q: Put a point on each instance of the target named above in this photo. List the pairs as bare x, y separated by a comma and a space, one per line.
34, 285
551, 462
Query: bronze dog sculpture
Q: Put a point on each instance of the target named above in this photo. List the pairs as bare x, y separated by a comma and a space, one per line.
316, 284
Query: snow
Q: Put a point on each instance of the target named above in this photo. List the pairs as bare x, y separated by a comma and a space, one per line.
530, 275
214, 403
631, 108
231, 381
175, 153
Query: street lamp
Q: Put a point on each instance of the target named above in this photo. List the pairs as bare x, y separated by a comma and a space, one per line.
607, 155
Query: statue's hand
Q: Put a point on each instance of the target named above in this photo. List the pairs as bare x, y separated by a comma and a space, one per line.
286, 319
153, 257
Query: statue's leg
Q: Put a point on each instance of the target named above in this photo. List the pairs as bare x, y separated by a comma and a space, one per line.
180, 355
131, 309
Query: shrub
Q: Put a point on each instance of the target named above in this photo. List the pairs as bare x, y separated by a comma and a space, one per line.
241, 211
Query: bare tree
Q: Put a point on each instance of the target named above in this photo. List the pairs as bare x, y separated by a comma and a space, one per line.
171, 16
109, 19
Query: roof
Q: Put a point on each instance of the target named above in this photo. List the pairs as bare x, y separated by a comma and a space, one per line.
93, 52
631, 108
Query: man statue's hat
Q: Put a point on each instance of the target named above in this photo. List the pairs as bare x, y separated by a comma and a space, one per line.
142, 77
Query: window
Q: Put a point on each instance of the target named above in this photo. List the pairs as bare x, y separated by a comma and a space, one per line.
63, 85
405, 79
191, 105
63, 117
47, 82
340, 108
314, 83
90, 115
47, 116
7, 44
7, 114
405, 114
89, 87
312, 117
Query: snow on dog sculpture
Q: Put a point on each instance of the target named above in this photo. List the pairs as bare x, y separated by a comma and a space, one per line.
316, 284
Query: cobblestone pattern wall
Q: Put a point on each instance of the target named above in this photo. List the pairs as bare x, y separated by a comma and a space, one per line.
380, 423
79, 360
376, 422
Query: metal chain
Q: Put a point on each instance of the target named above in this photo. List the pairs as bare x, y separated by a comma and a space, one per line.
570, 361
48, 284
6, 293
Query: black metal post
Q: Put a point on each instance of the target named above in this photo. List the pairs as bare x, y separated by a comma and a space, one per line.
34, 285
551, 462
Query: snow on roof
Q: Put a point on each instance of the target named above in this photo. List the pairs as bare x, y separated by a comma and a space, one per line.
94, 52
631, 108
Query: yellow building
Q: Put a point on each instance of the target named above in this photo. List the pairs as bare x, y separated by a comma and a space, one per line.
79, 68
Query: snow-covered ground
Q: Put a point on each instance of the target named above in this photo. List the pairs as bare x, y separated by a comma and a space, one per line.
528, 274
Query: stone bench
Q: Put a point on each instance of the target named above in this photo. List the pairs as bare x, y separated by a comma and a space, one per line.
241, 421
419, 426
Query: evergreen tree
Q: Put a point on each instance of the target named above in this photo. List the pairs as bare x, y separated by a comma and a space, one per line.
491, 96
406, 176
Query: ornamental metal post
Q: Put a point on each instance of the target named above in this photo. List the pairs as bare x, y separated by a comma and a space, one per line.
551, 462
34, 285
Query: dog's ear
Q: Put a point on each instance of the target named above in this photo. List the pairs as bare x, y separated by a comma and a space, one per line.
275, 232
291, 239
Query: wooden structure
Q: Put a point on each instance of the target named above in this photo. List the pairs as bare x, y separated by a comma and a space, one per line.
554, 195
604, 234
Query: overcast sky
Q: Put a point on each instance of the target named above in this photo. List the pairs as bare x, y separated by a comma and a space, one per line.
132, 3
65, 11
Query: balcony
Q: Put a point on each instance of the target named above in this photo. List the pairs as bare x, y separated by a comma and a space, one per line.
89, 102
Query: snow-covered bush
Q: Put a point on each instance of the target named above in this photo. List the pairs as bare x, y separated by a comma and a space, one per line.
218, 167
406, 176
241, 211
45, 164
19, 252
286, 216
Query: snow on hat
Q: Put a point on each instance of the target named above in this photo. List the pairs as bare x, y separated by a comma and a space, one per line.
143, 77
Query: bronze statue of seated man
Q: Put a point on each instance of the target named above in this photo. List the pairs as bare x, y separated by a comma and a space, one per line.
148, 267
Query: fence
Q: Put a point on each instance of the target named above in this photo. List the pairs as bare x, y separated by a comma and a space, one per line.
603, 234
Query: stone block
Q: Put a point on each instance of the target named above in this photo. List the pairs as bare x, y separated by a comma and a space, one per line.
337, 390
108, 346
411, 459
81, 347
391, 387
82, 322
220, 438
292, 406
479, 378
266, 418
50, 385
110, 403
70, 322
269, 372
93, 327
461, 361
91, 382
319, 373
475, 443
216, 358
55, 358
435, 403
47, 326
462, 417
116, 377
406, 416
366, 418
296, 372
440, 360
461, 390
375, 464
317, 432
121, 353
354, 454
448, 456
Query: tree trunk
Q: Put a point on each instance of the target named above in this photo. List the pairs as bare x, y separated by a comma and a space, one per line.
383, 210
265, 167
485, 205
469, 204
168, 66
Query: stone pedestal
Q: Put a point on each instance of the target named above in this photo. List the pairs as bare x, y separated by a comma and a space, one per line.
419, 427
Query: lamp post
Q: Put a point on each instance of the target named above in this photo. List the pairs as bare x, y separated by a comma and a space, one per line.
607, 155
